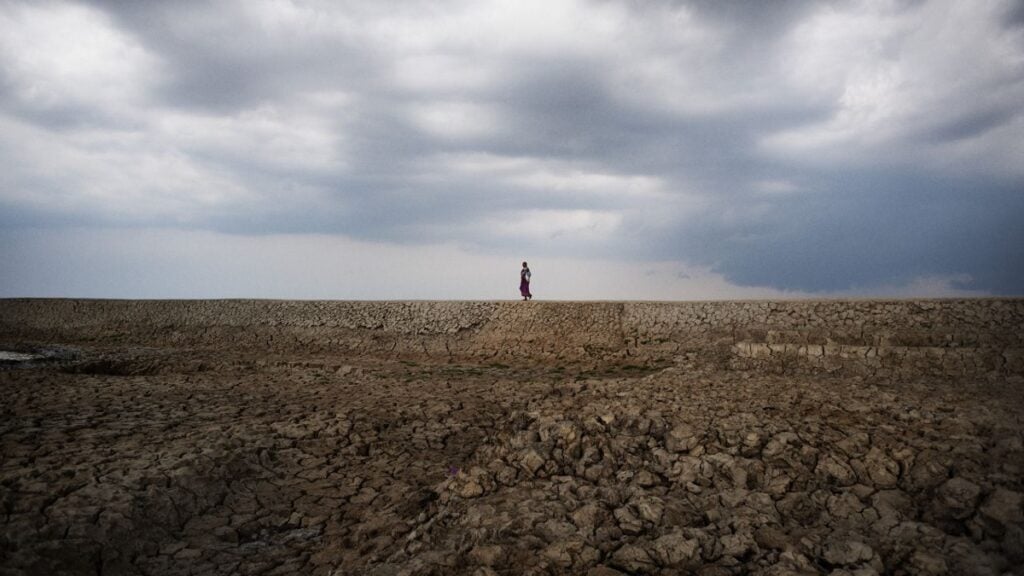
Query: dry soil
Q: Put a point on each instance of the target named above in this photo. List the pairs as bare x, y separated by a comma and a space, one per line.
191, 460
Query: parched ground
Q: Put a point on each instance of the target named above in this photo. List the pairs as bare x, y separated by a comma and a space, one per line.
163, 461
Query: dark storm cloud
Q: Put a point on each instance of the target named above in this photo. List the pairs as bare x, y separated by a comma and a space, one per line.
877, 230
797, 145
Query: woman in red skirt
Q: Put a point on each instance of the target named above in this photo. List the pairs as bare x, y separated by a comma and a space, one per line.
524, 282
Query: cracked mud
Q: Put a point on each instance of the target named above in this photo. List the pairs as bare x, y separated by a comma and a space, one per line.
264, 466
189, 460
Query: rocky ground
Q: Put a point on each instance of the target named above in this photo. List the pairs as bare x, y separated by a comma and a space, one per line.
162, 461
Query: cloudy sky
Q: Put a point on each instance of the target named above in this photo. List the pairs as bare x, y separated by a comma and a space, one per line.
628, 150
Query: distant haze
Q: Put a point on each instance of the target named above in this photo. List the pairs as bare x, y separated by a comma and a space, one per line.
627, 150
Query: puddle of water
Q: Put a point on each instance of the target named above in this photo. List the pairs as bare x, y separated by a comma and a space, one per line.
6, 356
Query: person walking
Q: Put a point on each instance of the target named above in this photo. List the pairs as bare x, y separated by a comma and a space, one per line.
524, 282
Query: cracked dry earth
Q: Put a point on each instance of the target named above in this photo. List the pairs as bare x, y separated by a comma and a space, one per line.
172, 462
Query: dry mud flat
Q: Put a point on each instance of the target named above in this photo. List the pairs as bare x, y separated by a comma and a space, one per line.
331, 466
201, 459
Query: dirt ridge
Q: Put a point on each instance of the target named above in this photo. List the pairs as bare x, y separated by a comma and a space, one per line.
885, 338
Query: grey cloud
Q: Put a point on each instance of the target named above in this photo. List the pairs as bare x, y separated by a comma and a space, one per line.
756, 20
214, 59
1013, 16
388, 179
972, 124
875, 230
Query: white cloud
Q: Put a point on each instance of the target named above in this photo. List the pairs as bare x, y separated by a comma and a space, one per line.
679, 64
552, 175
476, 47
898, 78
57, 55
441, 73
106, 175
607, 207
579, 180
494, 28
457, 120
174, 165
544, 225
299, 138
134, 159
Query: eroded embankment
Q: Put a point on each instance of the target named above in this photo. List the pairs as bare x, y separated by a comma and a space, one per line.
890, 339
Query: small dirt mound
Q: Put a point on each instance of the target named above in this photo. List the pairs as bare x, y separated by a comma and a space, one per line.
116, 367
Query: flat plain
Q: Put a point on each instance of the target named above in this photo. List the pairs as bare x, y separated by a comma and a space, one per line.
183, 448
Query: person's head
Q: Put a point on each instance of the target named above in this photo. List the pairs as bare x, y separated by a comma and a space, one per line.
524, 264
